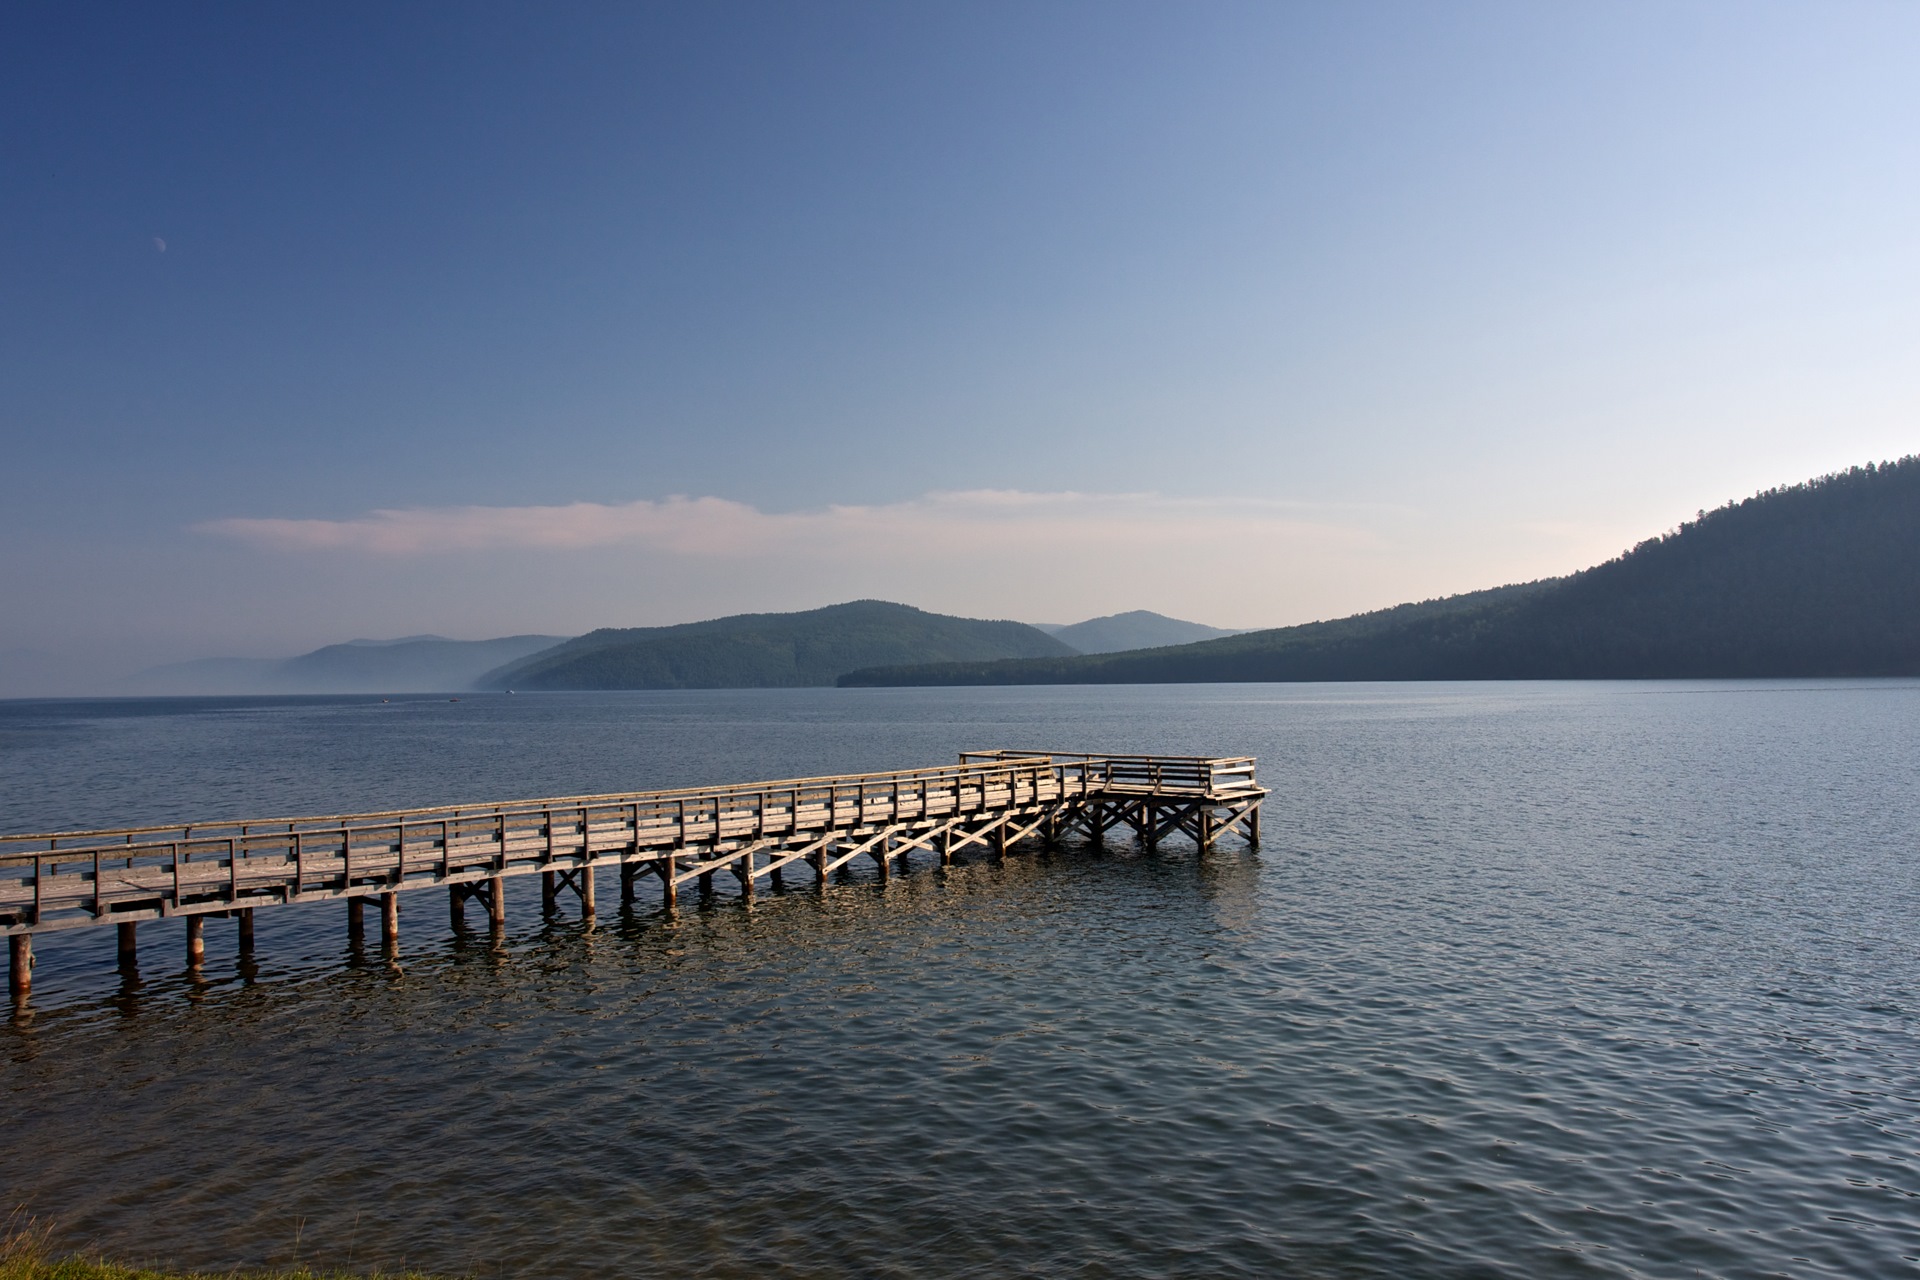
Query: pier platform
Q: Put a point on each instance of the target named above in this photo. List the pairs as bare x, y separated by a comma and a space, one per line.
755, 832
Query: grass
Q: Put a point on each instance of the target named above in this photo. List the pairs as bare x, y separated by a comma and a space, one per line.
26, 1254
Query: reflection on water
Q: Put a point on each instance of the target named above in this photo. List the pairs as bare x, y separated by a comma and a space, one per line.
1585, 980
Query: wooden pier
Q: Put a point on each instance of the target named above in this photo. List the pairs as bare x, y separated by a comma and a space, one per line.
753, 831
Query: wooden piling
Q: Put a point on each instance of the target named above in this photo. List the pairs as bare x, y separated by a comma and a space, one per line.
196, 941
389, 920
244, 916
669, 887
129, 944
946, 847
356, 921
549, 894
457, 907
20, 965
497, 902
588, 909
629, 872
706, 884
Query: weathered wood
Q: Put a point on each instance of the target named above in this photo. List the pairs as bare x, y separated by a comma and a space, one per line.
389, 920
20, 965
129, 948
196, 941
245, 919
356, 921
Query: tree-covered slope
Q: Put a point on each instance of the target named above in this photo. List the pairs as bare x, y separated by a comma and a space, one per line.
768, 650
1817, 579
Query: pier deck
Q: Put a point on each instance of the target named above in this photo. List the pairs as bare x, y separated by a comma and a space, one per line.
754, 831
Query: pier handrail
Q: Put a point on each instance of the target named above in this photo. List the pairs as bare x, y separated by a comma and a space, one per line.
478, 808
1184, 772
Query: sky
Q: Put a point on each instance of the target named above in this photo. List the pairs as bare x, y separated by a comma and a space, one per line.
325, 322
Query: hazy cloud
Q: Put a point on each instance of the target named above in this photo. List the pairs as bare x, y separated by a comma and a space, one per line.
938, 524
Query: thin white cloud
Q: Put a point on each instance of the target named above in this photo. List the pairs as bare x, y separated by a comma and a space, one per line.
937, 524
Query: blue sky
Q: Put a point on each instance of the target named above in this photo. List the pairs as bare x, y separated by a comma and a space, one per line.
326, 321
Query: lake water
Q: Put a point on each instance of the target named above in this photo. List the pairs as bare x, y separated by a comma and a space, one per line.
1527, 980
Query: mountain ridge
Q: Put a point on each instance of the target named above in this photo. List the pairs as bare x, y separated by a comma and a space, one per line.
767, 650
1820, 578
414, 664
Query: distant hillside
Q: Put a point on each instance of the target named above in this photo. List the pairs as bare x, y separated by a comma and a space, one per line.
1137, 629
770, 650
418, 664
1817, 579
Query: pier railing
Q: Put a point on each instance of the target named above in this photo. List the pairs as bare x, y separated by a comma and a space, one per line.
1218, 776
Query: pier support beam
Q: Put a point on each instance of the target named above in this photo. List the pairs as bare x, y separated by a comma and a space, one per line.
669, 889
629, 872
129, 944
457, 907
497, 903
245, 917
20, 965
743, 872
946, 847
356, 921
196, 941
588, 906
549, 894
389, 920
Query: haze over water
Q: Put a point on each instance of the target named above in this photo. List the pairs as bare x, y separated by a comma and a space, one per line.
1529, 980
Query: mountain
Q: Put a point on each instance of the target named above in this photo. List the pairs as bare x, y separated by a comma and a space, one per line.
1137, 629
770, 650
418, 664
1815, 579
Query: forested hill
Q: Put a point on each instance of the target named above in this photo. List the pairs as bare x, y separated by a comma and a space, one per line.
769, 650
1817, 579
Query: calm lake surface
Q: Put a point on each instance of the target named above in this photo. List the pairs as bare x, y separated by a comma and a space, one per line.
1526, 980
